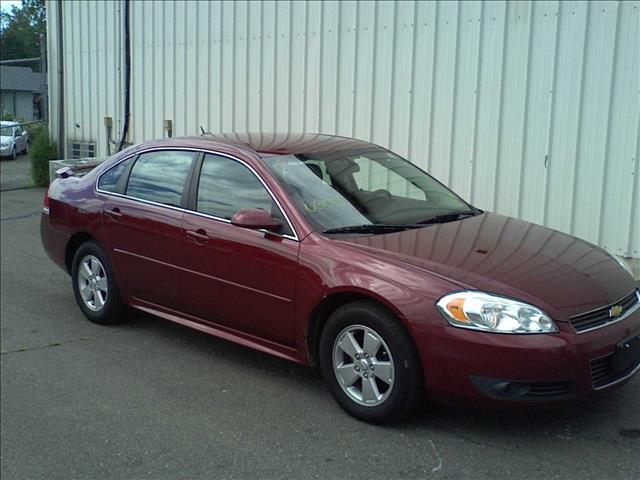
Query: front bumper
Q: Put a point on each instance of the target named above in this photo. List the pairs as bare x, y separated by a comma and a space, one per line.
537, 367
6, 151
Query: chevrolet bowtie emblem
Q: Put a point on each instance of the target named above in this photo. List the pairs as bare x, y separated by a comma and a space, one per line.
615, 311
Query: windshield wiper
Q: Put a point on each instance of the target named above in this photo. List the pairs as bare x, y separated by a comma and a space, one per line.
386, 228
372, 228
450, 217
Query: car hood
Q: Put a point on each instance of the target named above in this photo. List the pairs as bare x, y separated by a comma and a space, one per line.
5, 138
511, 257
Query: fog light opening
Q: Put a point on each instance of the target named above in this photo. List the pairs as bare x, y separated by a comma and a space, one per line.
511, 389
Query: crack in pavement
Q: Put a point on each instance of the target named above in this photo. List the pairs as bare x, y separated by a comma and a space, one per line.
438, 457
47, 345
19, 217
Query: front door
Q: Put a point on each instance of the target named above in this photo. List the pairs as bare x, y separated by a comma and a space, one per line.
238, 278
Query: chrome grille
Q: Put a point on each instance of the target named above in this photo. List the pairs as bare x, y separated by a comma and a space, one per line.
601, 317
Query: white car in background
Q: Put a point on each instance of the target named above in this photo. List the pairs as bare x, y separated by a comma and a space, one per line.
14, 139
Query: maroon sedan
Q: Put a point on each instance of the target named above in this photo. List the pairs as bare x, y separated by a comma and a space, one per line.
335, 252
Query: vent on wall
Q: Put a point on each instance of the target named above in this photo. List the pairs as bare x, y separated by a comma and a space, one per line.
82, 150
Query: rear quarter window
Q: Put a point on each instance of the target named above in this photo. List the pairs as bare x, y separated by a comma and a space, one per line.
112, 180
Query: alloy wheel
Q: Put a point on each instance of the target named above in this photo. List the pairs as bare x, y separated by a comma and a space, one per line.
363, 365
92, 283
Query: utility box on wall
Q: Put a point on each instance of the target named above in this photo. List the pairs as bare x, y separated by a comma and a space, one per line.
81, 150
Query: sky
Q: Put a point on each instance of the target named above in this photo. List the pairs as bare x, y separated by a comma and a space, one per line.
5, 5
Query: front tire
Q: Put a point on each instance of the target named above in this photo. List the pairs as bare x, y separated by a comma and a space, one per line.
94, 285
370, 363
14, 153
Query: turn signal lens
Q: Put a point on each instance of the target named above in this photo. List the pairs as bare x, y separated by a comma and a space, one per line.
491, 313
456, 308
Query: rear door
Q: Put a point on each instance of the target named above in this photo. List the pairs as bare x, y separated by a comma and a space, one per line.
239, 278
142, 220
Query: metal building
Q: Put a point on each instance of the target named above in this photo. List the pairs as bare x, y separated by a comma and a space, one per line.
531, 109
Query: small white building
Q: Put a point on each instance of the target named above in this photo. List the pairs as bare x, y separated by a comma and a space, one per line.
531, 109
21, 93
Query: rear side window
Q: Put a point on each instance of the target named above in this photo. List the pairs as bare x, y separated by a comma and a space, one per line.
160, 176
113, 179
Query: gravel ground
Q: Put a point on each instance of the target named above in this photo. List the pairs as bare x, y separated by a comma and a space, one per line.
151, 399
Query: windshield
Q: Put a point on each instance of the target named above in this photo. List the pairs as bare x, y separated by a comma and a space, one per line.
364, 186
6, 132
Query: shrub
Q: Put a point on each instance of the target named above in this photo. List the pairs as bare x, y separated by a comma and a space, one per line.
41, 150
32, 128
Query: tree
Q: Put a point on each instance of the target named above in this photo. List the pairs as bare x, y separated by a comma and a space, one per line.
21, 28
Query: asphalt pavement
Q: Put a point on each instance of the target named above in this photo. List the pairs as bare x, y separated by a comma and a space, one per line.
151, 399
16, 173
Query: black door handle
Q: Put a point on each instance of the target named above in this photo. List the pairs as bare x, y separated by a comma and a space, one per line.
114, 213
199, 235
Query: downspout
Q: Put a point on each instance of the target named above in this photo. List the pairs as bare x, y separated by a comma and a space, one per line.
61, 142
127, 75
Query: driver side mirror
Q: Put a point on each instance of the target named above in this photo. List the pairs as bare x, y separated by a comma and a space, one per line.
256, 219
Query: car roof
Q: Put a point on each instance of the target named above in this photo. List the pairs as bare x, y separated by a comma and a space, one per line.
267, 144
5, 123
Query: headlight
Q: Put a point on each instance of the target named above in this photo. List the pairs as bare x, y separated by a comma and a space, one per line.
490, 313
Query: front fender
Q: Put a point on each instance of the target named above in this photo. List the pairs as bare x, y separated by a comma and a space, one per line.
328, 268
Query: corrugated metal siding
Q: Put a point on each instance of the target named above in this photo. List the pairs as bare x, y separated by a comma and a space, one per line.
531, 109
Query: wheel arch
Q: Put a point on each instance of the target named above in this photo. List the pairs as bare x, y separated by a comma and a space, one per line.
329, 304
76, 240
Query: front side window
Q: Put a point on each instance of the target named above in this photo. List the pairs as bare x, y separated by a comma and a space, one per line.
365, 186
225, 187
112, 180
160, 176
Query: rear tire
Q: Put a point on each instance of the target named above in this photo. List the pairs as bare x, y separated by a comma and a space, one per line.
14, 154
94, 285
370, 363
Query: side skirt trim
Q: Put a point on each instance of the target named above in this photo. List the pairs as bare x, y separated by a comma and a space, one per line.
225, 333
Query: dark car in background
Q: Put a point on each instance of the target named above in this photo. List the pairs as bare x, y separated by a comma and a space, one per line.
335, 252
